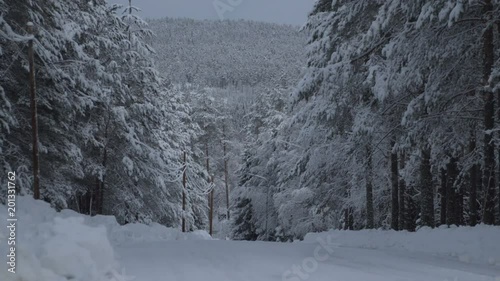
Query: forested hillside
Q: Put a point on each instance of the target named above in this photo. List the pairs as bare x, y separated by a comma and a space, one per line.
230, 72
227, 53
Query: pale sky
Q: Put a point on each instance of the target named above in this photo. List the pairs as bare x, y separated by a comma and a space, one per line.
278, 11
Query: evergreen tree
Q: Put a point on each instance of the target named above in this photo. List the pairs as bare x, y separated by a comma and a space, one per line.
244, 228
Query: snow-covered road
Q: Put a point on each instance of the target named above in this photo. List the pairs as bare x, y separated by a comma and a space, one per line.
260, 261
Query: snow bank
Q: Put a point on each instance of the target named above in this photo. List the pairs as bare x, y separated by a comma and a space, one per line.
135, 232
62, 246
468, 244
53, 248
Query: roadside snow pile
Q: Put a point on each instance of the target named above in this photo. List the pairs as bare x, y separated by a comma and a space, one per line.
52, 246
35, 212
468, 244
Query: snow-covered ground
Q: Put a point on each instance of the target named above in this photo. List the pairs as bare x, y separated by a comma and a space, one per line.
220, 260
478, 245
68, 246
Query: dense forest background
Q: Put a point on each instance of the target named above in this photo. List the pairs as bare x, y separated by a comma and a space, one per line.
377, 114
223, 54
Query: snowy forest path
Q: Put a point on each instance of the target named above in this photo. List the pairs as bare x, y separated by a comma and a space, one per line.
264, 261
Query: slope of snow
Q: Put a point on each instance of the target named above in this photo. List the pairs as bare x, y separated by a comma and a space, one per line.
467, 244
53, 248
60, 246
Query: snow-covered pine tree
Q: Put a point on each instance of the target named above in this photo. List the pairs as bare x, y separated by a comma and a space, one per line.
105, 146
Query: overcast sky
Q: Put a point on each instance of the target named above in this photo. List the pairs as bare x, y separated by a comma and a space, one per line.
278, 11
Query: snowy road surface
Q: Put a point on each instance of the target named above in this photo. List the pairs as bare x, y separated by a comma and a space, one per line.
261, 261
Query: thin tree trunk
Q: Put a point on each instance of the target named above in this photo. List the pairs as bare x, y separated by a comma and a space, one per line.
97, 195
184, 179
103, 181
212, 208
473, 186
459, 209
402, 195
498, 100
489, 122
224, 147
129, 25
370, 221
480, 193
77, 201
351, 219
91, 202
444, 196
34, 116
211, 194
451, 210
473, 196
346, 219
100, 209
395, 189
268, 193
426, 189
207, 160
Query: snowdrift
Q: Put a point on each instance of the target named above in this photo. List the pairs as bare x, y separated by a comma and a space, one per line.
63, 246
478, 245
136, 232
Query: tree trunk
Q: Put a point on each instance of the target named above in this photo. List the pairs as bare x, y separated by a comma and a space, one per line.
370, 221
395, 189
351, 219
211, 194
103, 182
459, 207
489, 120
184, 179
402, 195
99, 201
226, 177
346, 219
443, 191
451, 193
211, 215
498, 116
34, 116
426, 189
129, 25
97, 196
91, 203
412, 207
473, 186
